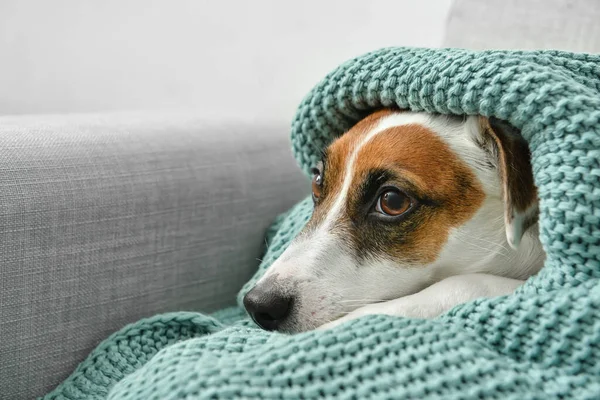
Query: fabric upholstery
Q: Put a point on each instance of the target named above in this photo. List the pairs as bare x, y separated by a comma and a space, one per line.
105, 219
531, 24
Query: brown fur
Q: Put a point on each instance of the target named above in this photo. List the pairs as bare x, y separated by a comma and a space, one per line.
514, 164
334, 164
445, 191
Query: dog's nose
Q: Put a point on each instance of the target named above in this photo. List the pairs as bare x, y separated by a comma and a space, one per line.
267, 308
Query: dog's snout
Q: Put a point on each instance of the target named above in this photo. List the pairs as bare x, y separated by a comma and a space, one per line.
268, 308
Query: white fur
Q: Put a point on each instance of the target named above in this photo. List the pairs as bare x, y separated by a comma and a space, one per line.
437, 298
320, 270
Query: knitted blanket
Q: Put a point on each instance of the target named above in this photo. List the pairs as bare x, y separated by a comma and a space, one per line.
543, 342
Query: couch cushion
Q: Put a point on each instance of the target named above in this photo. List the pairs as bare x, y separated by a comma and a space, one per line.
105, 219
532, 24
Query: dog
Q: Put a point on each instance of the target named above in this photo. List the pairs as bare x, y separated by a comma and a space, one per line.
414, 213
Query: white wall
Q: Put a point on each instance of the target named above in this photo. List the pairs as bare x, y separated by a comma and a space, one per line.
254, 57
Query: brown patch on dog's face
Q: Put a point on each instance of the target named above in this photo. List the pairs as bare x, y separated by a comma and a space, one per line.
444, 192
333, 165
411, 159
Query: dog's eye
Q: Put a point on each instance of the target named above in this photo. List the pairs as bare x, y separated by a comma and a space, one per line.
317, 184
393, 203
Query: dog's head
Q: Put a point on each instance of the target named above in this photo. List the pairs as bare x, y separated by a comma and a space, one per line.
403, 200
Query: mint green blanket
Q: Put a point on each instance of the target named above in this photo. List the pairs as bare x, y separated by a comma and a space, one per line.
542, 342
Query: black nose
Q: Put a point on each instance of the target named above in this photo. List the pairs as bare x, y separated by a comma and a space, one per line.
267, 308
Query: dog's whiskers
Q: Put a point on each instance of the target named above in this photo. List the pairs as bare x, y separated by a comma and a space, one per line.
361, 301
491, 242
496, 244
468, 241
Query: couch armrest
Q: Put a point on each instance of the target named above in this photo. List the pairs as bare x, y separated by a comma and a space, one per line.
105, 219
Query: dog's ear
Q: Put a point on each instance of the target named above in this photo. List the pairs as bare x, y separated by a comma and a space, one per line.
510, 152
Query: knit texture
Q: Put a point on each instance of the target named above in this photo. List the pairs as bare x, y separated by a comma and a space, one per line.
543, 342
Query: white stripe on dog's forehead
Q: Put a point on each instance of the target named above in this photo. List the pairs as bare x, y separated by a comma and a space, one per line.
385, 123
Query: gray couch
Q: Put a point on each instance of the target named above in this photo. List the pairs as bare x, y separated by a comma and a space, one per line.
108, 218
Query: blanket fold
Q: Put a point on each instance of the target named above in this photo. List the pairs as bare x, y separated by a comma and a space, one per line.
542, 342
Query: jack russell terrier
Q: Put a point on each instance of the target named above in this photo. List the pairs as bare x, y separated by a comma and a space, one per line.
414, 213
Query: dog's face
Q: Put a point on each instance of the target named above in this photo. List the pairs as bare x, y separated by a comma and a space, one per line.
401, 201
